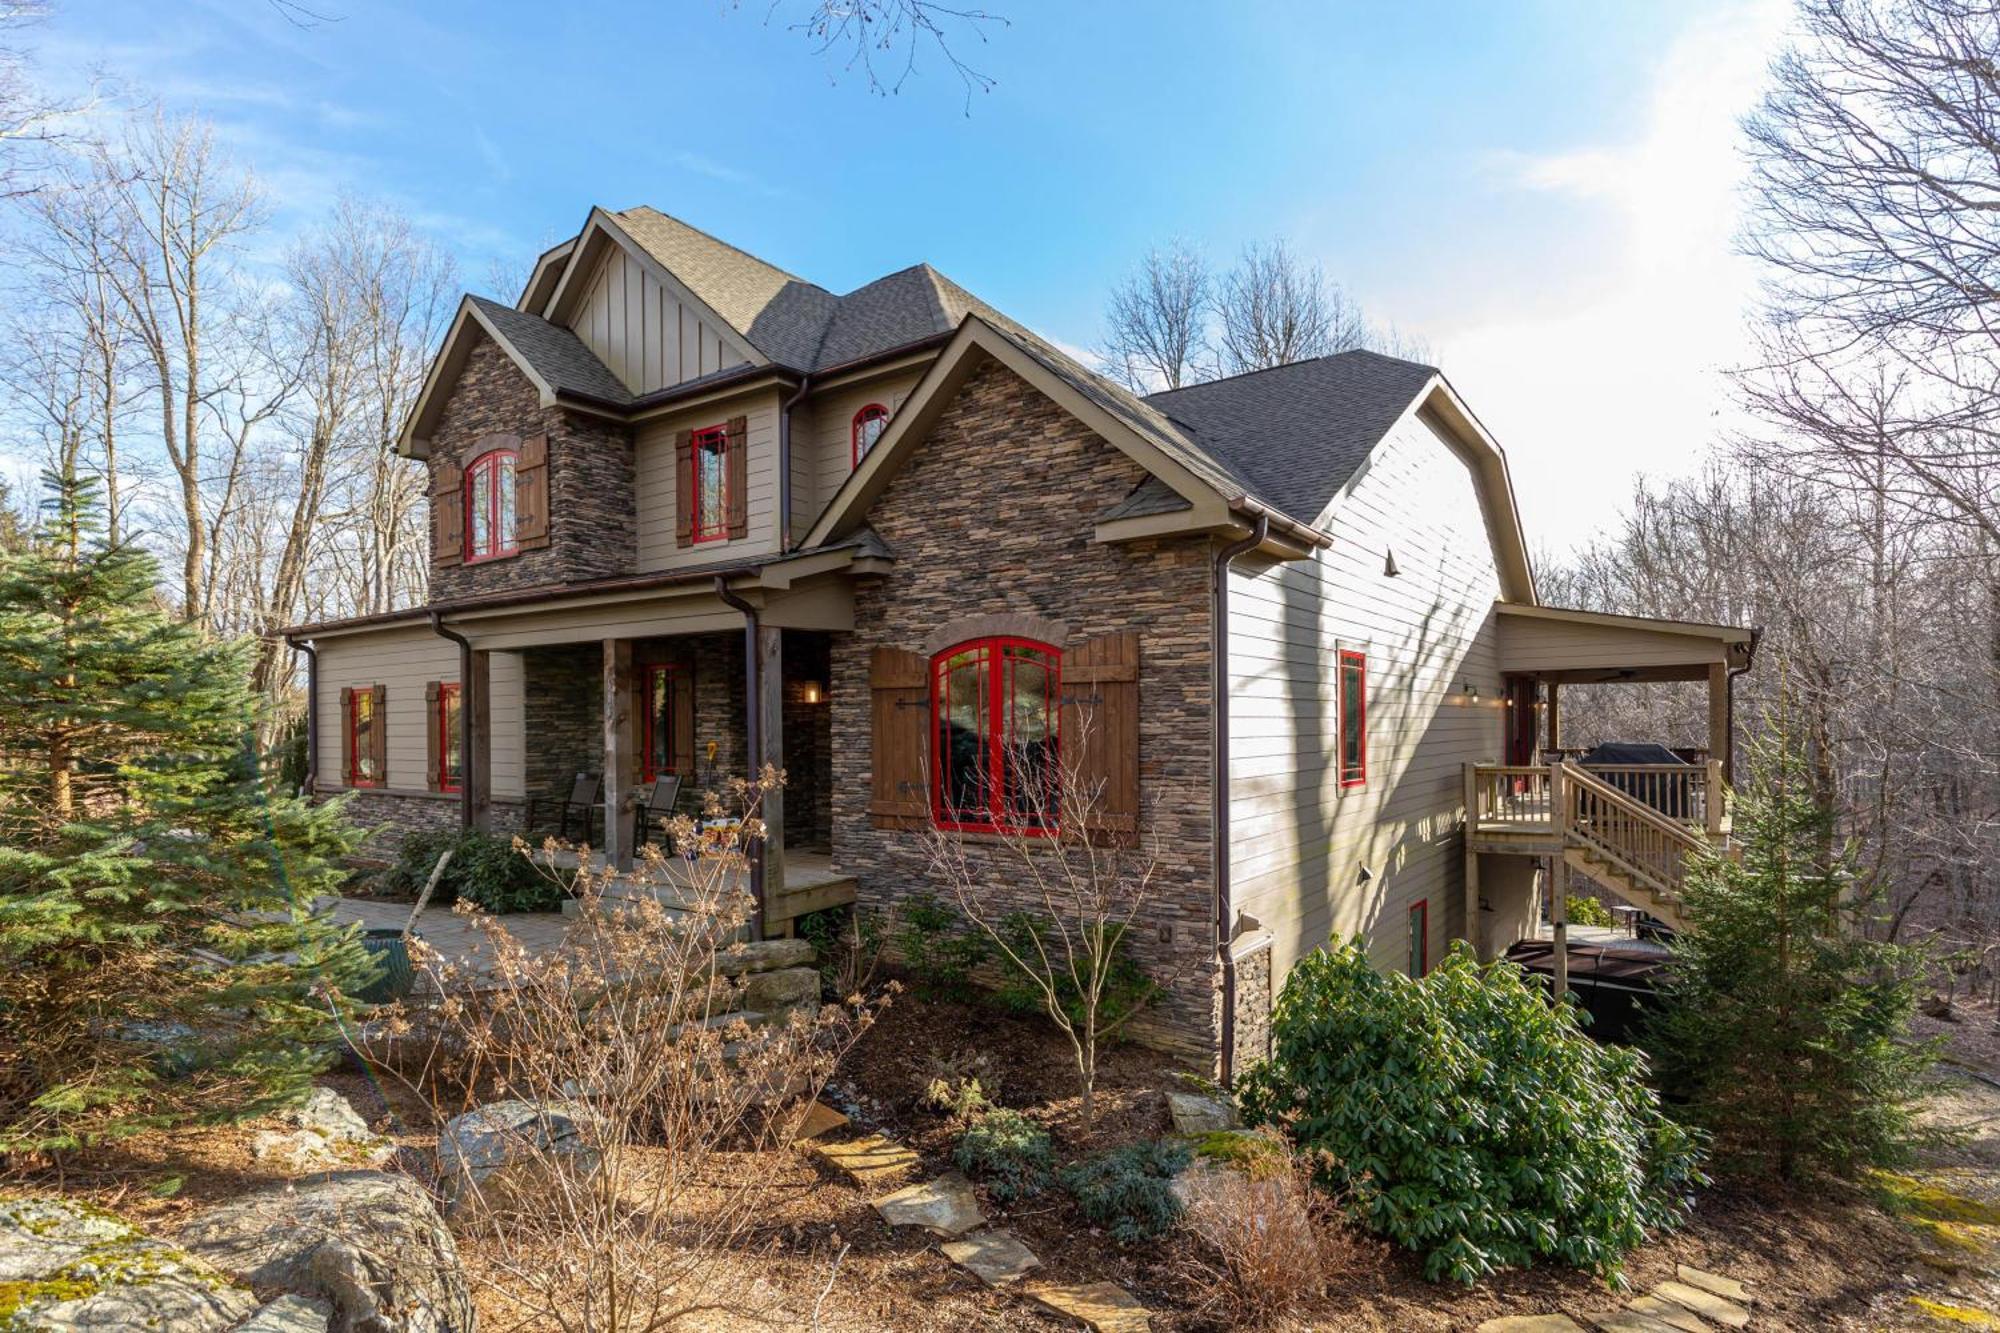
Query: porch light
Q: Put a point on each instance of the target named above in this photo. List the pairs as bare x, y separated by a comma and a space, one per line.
1389, 569
811, 692
1472, 691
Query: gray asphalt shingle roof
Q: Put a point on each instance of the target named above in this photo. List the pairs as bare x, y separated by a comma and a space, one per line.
556, 354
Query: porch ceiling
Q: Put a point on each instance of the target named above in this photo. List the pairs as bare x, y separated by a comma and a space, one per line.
1590, 647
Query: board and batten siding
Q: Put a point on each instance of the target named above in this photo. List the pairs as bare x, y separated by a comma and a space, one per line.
658, 494
403, 659
1299, 842
643, 331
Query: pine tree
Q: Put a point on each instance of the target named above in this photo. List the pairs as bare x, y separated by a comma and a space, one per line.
1785, 1030
159, 959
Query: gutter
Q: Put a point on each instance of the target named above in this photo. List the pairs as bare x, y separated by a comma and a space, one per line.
1251, 507
311, 650
467, 710
785, 462
752, 726
1729, 703
1219, 809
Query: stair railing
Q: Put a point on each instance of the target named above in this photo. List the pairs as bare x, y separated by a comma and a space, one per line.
1646, 844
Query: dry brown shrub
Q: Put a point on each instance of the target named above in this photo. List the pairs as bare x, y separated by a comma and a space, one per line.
1270, 1237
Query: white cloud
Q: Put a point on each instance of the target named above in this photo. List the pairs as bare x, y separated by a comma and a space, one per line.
1592, 375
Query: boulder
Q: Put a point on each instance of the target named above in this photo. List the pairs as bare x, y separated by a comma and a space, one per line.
368, 1242
513, 1150
326, 1133
1199, 1113
775, 994
332, 1117
65, 1265
289, 1314
763, 956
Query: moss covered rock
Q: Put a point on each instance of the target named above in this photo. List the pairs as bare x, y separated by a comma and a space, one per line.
66, 1265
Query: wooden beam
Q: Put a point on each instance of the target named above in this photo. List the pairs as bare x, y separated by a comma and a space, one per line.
475, 703
1555, 727
770, 706
1718, 719
621, 753
1559, 916
1472, 931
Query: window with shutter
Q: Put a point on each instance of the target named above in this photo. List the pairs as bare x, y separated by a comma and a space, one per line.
531, 494
996, 753
711, 495
347, 750
447, 514
364, 734
899, 690
490, 506
444, 737
738, 507
1100, 724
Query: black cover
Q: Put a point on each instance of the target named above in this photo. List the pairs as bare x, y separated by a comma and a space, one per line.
1669, 800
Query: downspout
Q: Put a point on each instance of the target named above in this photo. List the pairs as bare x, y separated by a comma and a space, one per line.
1219, 809
785, 463
752, 725
311, 650
1729, 704
466, 712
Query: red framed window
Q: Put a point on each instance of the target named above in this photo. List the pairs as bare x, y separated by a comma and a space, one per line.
1353, 718
869, 423
450, 737
656, 741
1420, 937
711, 484
489, 506
361, 724
996, 743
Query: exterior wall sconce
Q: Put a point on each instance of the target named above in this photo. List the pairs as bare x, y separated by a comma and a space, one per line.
1472, 691
812, 693
1389, 569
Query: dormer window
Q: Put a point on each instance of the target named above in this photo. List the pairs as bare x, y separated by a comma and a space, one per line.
489, 506
869, 423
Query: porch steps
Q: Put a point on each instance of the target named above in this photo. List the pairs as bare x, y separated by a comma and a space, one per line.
1594, 865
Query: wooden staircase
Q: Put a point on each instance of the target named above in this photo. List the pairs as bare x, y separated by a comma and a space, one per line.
1624, 841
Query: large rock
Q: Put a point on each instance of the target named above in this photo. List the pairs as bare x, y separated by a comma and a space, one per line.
326, 1133
64, 1265
369, 1242
512, 1152
763, 956
776, 994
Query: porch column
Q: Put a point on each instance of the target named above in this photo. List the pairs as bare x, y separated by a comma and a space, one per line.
621, 752
1718, 718
770, 734
1555, 723
475, 702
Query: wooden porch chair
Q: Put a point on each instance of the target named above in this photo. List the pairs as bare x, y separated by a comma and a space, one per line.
658, 808
585, 802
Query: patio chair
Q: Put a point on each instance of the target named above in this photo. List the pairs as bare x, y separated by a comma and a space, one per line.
585, 802
659, 807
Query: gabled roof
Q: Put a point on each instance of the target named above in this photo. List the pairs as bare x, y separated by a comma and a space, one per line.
1296, 433
555, 356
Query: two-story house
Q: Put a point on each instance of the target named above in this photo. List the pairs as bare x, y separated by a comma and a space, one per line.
689, 512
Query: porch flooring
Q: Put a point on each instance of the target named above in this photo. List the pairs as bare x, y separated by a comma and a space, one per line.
456, 938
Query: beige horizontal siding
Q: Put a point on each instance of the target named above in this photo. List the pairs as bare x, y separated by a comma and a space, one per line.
829, 450
1299, 842
658, 496
403, 660
1529, 643
642, 330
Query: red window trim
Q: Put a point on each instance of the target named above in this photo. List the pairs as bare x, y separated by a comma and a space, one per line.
1357, 775
996, 647
447, 691
867, 413
647, 773
502, 546
1420, 934
696, 532
354, 697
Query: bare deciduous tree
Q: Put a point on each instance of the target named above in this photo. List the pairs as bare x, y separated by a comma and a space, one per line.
1275, 309
894, 33
1157, 322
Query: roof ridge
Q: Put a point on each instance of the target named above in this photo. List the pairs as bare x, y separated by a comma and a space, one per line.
711, 236
1293, 365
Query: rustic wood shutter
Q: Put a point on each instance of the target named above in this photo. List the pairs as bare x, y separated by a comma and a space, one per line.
683, 705
447, 514
433, 728
684, 497
531, 493
378, 735
899, 688
346, 736
1100, 731
739, 477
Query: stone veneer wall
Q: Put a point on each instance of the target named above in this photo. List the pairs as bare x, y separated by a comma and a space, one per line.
1254, 999
993, 514
808, 744
391, 816
593, 504
562, 697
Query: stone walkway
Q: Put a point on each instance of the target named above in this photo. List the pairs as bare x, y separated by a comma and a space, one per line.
1696, 1302
947, 1208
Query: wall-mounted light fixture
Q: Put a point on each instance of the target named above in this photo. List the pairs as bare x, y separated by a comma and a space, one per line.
1472, 691
811, 692
1389, 569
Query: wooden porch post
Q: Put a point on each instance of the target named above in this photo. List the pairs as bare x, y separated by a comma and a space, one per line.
770, 706
1472, 931
621, 752
1718, 718
1559, 878
1555, 727
475, 702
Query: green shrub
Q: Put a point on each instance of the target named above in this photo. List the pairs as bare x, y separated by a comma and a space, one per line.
848, 942
1463, 1116
1127, 987
1130, 1190
961, 1099
1587, 911
485, 870
939, 947
1010, 1152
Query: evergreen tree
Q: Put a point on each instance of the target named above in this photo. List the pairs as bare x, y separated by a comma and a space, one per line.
159, 961
1784, 1030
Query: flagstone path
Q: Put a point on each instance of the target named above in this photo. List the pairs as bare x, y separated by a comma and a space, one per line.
1694, 1302
947, 1207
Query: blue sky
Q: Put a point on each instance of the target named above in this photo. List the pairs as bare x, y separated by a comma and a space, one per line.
1542, 191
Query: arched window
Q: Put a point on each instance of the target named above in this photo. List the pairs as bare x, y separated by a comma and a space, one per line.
489, 506
996, 749
869, 423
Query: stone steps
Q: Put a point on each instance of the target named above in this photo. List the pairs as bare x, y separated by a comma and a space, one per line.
1694, 1301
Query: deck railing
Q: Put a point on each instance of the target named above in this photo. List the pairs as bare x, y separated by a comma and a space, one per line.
1622, 828
1510, 794
1519, 795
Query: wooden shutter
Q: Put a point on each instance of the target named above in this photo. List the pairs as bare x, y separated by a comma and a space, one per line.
739, 477
531, 493
1100, 731
683, 706
447, 514
346, 736
899, 689
684, 498
378, 735
433, 729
